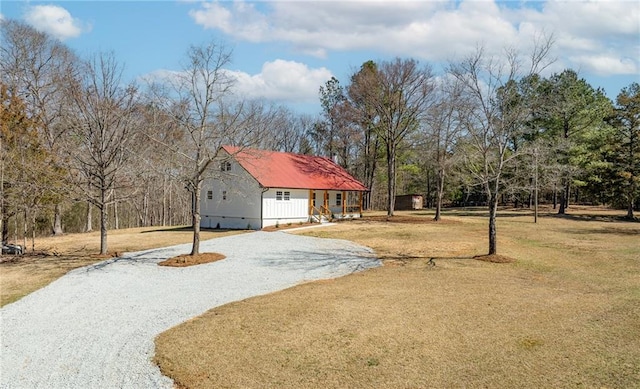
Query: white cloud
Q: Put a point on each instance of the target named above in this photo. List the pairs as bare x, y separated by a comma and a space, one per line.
53, 20
606, 64
279, 80
437, 30
242, 20
284, 81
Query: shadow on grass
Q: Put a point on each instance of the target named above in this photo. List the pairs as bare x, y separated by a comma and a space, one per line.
349, 260
596, 218
404, 259
607, 231
510, 212
187, 229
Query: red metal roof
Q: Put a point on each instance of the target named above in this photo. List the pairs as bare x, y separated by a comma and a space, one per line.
273, 169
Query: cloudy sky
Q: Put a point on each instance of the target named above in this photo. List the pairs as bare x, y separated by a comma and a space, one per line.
284, 50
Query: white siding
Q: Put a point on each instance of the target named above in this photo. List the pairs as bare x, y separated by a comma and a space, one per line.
240, 209
294, 210
247, 205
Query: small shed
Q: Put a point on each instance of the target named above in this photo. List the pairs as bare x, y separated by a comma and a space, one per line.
408, 202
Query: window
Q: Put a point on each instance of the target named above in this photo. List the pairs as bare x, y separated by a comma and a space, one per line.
280, 195
224, 194
314, 199
338, 198
209, 195
225, 166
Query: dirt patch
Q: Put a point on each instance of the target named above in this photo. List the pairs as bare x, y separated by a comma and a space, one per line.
494, 258
192, 260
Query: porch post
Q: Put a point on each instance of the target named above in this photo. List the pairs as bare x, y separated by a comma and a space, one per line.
310, 202
326, 199
360, 201
344, 202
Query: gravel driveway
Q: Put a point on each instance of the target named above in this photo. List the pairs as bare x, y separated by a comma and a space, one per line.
94, 327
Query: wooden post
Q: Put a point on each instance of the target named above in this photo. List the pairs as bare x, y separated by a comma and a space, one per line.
326, 199
360, 205
344, 202
310, 202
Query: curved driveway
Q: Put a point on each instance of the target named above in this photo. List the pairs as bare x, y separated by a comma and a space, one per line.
94, 327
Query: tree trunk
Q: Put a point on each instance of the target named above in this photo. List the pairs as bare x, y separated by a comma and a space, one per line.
103, 222
535, 191
164, 200
5, 228
89, 226
25, 229
170, 208
440, 194
564, 199
630, 208
145, 204
57, 220
427, 199
391, 179
116, 216
195, 211
493, 211
33, 232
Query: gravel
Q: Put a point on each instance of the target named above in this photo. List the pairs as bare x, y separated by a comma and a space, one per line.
94, 327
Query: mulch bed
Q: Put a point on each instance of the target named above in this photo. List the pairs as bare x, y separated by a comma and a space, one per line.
192, 260
288, 226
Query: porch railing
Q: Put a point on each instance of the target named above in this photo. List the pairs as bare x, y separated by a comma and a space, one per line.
318, 214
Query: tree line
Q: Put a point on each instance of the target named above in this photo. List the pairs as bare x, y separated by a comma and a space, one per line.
77, 139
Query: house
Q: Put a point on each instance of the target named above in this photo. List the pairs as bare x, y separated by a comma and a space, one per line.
253, 189
408, 202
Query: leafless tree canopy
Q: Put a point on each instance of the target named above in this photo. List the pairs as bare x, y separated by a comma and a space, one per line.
490, 129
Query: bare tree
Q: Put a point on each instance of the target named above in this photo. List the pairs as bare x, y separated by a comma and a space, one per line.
102, 123
443, 125
490, 84
37, 68
198, 99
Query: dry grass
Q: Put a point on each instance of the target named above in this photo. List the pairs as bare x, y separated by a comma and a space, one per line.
565, 314
55, 256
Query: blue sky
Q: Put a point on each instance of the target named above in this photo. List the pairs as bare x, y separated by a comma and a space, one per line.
283, 51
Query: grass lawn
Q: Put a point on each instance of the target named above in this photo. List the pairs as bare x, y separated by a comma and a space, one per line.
566, 313
55, 256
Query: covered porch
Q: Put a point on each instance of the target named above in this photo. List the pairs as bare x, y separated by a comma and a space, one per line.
325, 205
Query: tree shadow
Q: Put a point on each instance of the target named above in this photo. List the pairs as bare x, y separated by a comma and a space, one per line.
431, 260
347, 260
484, 212
186, 229
596, 218
607, 231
